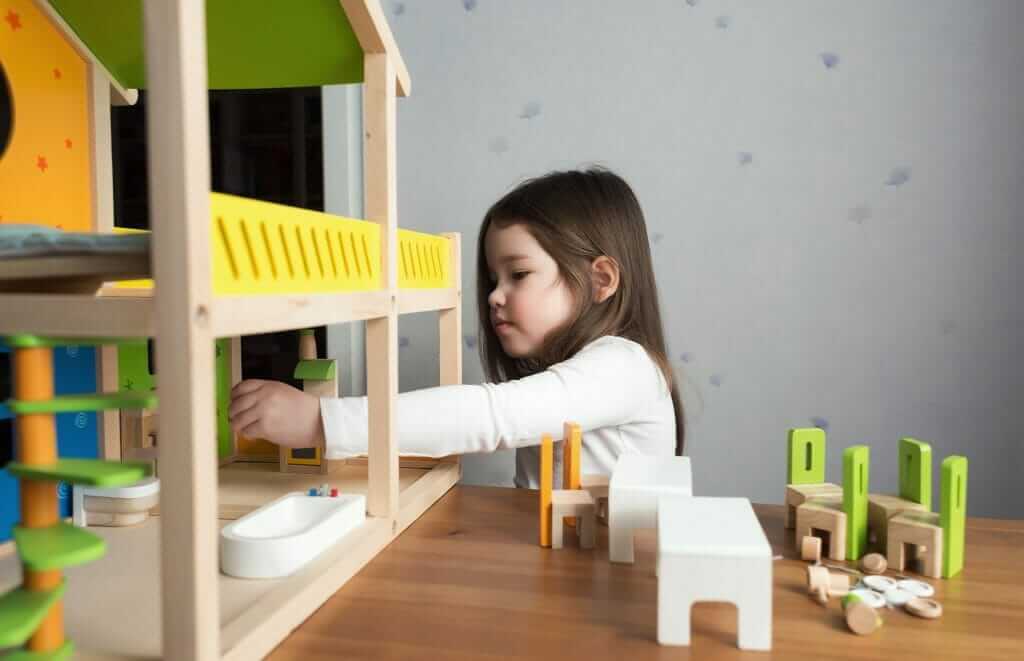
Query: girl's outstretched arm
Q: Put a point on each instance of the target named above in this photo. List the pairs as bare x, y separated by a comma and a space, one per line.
606, 383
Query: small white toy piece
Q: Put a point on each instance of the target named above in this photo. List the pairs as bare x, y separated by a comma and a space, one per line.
114, 506
576, 503
713, 549
633, 491
284, 535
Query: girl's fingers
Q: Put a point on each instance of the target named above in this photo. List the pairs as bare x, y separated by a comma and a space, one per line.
242, 403
254, 430
247, 386
250, 418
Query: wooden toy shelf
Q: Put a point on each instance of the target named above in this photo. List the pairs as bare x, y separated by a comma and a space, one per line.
226, 267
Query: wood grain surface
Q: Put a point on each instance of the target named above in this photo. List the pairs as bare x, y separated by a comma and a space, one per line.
468, 581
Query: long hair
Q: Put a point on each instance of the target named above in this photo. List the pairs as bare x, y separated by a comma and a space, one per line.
577, 216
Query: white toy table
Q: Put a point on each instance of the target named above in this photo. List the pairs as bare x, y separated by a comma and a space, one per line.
637, 482
713, 549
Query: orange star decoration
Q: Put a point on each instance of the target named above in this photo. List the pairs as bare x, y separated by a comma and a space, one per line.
13, 19
41, 163
67, 142
56, 73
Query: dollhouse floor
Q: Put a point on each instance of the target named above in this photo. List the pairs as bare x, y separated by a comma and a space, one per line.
112, 606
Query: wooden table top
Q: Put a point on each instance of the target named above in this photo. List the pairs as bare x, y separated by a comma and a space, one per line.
468, 581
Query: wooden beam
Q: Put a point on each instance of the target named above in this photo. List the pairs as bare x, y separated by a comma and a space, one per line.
450, 321
371, 27
427, 300
382, 333
179, 188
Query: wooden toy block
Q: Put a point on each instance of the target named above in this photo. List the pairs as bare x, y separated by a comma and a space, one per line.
713, 549
805, 470
572, 447
633, 491
915, 471
953, 488
806, 456
856, 462
823, 518
597, 486
915, 536
547, 474
798, 494
576, 503
881, 509
810, 549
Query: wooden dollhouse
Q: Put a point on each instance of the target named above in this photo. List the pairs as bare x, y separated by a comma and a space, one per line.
225, 267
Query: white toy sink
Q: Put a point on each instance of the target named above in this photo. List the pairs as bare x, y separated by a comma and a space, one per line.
284, 535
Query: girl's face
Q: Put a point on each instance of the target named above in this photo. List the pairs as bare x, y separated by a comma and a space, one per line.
529, 298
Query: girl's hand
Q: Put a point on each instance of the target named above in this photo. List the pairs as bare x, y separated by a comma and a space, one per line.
276, 412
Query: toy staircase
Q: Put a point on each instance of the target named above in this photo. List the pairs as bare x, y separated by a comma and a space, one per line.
31, 616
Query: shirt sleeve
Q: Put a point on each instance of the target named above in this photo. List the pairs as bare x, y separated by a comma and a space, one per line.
607, 383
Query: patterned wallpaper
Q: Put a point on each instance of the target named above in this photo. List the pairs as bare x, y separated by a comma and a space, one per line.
833, 193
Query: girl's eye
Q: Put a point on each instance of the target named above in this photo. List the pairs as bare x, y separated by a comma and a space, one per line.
519, 275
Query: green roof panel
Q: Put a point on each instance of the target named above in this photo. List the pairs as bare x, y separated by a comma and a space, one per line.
250, 45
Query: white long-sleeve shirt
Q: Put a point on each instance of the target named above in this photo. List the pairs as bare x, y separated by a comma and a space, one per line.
611, 388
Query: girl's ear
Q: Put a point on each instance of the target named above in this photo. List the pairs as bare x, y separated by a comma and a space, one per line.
604, 276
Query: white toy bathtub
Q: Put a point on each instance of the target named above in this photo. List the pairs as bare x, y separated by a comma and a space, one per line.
284, 535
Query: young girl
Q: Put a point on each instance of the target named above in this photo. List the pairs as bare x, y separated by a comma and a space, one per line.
569, 331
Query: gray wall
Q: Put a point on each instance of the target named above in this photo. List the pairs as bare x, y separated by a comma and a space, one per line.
833, 191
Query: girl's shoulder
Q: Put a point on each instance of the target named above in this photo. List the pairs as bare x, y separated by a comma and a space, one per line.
618, 358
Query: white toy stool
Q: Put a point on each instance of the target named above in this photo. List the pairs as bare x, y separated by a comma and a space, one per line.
713, 549
637, 482
114, 506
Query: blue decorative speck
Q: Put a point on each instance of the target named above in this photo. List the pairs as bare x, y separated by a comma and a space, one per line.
72, 352
399, 8
63, 489
469, 5
716, 379
657, 237
745, 157
81, 420
687, 357
820, 423
830, 60
723, 22
499, 145
859, 214
947, 326
470, 341
530, 110
403, 342
898, 177
692, 3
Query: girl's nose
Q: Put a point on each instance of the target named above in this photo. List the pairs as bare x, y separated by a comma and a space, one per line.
496, 297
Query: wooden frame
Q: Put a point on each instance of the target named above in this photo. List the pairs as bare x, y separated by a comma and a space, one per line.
186, 314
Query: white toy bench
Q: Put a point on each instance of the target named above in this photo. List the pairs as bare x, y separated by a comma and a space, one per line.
713, 549
633, 491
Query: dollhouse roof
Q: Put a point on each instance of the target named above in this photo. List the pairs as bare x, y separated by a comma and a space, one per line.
250, 45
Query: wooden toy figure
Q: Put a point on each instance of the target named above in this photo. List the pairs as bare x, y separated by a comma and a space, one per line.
843, 520
936, 540
915, 479
805, 471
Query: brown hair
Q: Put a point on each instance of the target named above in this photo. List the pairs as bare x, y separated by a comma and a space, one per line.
576, 217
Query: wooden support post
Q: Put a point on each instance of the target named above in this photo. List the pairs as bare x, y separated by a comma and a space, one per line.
37, 444
382, 333
179, 189
450, 324
547, 476
571, 449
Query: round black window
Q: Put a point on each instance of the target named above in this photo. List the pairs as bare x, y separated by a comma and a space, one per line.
6, 111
